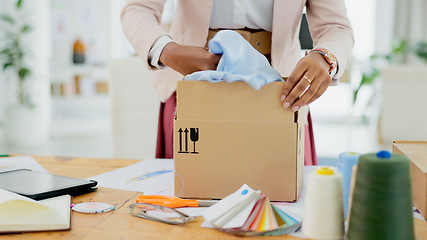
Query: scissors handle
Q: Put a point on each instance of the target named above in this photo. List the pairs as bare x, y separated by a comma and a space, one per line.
167, 201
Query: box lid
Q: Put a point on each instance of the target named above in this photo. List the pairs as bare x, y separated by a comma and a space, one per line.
198, 100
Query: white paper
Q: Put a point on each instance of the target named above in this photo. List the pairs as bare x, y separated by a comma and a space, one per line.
206, 224
221, 212
21, 162
152, 177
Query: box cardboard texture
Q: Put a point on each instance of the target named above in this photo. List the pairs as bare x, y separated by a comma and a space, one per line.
226, 135
417, 153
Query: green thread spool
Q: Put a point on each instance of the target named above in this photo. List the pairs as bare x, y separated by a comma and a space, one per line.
382, 199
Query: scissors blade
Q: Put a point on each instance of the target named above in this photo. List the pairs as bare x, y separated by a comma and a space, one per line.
206, 203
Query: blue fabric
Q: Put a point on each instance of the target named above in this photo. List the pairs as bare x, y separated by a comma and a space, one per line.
239, 62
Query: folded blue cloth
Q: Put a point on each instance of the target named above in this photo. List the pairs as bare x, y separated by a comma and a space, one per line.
239, 62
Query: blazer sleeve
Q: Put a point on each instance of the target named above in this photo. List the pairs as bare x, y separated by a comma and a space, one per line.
330, 29
141, 25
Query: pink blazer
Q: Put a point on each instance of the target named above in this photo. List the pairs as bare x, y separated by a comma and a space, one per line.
329, 26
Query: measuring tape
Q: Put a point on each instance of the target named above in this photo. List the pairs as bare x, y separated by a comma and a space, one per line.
92, 207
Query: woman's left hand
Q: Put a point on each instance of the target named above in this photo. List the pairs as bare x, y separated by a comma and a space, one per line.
307, 82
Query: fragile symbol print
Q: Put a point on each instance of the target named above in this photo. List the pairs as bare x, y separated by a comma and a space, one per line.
183, 140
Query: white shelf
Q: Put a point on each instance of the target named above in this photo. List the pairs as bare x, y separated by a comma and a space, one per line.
81, 115
81, 106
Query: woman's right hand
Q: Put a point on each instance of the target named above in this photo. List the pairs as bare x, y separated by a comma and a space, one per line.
188, 59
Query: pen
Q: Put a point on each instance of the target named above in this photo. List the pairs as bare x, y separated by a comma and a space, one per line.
4, 155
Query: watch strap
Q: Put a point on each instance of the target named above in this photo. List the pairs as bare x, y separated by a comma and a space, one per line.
329, 57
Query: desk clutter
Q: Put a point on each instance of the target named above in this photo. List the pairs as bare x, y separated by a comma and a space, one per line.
379, 208
379, 199
32, 200
377, 187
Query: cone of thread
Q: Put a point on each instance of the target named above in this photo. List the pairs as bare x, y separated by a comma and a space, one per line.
323, 205
382, 199
346, 161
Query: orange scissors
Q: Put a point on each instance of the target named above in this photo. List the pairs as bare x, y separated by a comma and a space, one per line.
173, 202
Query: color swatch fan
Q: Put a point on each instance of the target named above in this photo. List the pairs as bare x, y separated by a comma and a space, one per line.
248, 212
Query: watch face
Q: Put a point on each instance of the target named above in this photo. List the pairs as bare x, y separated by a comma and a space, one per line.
330, 58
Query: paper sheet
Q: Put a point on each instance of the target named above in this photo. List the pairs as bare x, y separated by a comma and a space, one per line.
152, 177
21, 162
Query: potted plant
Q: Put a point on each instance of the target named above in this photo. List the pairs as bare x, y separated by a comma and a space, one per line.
24, 121
398, 50
394, 101
398, 55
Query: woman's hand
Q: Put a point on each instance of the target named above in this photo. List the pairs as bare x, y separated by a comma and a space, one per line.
307, 82
188, 59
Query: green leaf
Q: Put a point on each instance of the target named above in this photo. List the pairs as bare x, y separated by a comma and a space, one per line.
19, 4
367, 79
399, 46
24, 73
374, 56
26, 28
7, 65
7, 18
421, 50
355, 92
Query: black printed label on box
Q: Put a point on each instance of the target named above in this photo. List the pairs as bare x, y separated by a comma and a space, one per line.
187, 140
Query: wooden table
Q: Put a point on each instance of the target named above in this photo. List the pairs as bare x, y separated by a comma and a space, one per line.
119, 224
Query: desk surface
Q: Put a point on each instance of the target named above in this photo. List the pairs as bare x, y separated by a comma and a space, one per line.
119, 224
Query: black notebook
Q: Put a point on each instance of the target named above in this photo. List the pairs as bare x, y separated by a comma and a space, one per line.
37, 185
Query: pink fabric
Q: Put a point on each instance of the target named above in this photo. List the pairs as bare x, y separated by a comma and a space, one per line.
164, 147
165, 133
310, 157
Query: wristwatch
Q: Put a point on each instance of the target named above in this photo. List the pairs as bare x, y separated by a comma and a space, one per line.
329, 57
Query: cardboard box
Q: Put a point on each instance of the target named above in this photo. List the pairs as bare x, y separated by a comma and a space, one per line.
417, 153
230, 134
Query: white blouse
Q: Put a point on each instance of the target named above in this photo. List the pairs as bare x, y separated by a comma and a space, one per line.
254, 14
235, 14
